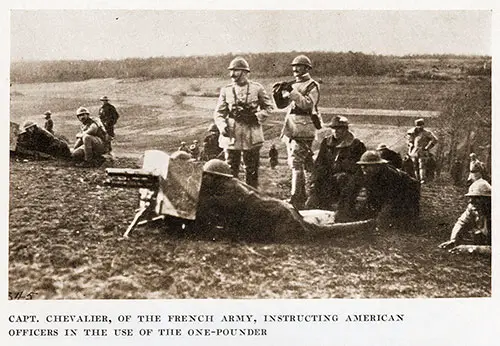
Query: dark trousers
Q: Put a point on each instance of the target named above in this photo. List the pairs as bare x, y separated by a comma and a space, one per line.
251, 159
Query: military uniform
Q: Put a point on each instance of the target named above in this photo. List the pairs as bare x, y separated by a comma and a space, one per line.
273, 157
49, 125
335, 175
393, 157
239, 114
211, 149
91, 142
420, 141
40, 140
395, 191
302, 120
109, 116
473, 227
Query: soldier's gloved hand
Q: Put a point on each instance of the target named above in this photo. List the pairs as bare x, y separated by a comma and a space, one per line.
447, 244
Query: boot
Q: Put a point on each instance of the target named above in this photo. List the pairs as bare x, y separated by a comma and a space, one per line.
298, 192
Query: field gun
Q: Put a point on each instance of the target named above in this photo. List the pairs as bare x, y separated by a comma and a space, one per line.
179, 189
167, 187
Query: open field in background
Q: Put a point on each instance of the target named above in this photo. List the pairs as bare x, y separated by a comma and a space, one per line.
65, 225
159, 113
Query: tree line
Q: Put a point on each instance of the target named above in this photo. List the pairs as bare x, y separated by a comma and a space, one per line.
262, 64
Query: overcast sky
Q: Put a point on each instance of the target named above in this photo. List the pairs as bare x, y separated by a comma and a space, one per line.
118, 34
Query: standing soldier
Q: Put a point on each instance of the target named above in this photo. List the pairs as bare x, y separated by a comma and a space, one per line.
241, 109
273, 156
301, 122
49, 123
420, 141
109, 116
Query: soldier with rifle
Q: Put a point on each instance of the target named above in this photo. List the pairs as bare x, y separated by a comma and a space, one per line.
301, 122
241, 109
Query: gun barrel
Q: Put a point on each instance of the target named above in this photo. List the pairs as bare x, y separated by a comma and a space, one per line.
131, 178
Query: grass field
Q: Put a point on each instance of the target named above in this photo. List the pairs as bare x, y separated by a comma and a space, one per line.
65, 226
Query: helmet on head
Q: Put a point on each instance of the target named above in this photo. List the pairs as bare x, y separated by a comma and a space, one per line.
104, 98
47, 113
473, 155
218, 167
339, 121
381, 146
239, 63
213, 128
419, 122
26, 125
302, 60
195, 141
479, 188
82, 110
371, 157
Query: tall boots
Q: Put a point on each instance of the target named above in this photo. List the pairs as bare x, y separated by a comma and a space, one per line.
298, 192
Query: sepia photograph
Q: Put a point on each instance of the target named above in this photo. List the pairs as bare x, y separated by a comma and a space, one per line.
249, 154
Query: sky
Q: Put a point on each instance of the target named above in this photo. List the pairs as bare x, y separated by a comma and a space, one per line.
117, 34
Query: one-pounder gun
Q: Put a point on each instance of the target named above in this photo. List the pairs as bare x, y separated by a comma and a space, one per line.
166, 187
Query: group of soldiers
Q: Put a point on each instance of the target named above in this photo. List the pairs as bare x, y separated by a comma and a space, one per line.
92, 141
344, 176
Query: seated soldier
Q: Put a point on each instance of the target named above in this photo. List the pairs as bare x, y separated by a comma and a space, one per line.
90, 142
472, 231
389, 189
335, 175
33, 139
211, 149
194, 150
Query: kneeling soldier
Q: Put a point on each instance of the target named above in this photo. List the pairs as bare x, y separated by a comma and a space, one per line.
389, 188
472, 231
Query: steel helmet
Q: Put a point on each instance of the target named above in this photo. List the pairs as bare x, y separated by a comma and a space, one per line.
104, 98
371, 157
218, 167
479, 188
302, 60
339, 121
419, 122
82, 110
213, 128
26, 125
47, 113
239, 63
